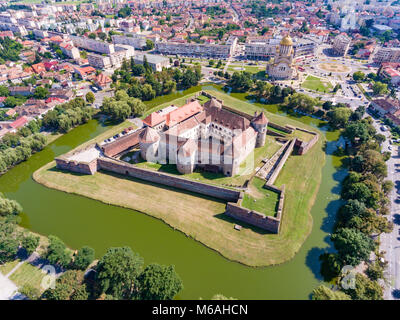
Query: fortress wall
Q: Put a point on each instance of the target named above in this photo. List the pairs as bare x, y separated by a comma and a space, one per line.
168, 180
274, 134
279, 127
252, 217
304, 147
282, 161
75, 166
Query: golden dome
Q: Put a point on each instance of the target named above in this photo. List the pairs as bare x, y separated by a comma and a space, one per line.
287, 41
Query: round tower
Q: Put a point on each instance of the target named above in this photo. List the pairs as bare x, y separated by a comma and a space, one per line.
187, 156
149, 140
259, 124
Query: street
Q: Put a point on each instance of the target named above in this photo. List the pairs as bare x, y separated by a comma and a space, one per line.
390, 241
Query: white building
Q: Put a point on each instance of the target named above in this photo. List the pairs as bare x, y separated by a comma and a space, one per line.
222, 51
92, 45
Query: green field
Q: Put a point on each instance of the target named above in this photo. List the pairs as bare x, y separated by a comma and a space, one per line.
28, 274
8, 266
203, 218
260, 199
316, 84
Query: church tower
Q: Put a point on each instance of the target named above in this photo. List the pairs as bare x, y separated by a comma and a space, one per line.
282, 66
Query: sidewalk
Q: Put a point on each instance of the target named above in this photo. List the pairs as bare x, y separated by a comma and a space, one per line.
7, 288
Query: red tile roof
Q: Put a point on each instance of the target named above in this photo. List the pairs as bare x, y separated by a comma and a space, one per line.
153, 119
183, 113
20, 122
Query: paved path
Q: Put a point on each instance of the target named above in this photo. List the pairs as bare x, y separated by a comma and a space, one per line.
7, 288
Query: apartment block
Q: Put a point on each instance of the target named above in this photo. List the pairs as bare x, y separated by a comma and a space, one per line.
137, 41
196, 49
92, 45
387, 55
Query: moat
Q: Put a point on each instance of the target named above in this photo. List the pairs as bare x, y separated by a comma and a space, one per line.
82, 221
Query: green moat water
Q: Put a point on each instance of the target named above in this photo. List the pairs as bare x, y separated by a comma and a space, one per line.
80, 221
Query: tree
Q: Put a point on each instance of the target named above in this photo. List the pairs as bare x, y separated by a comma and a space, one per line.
4, 92
9, 207
365, 289
149, 45
117, 272
30, 243
339, 117
102, 35
330, 266
137, 106
66, 286
41, 93
159, 283
352, 245
358, 130
358, 76
90, 97
57, 252
379, 88
11, 102
30, 292
84, 258
9, 239
324, 293
301, 102
92, 36
241, 81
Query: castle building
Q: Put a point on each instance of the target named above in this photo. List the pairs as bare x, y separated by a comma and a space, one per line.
207, 137
282, 66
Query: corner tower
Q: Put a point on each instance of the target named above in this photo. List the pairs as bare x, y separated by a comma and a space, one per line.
149, 140
259, 123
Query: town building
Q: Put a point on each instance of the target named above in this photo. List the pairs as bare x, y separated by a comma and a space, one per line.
386, 54
92, 45
341, 44
210, 50
138, 41
156, 62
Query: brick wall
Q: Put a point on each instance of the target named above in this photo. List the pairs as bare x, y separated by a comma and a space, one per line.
166, 179
79, 167
252, 217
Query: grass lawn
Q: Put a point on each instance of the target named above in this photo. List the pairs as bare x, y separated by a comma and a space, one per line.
316, 84
28, 274
305, 136
261, 199
8, 266
202, 218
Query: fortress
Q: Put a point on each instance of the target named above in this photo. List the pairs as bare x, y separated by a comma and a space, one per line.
213, 137
206, 137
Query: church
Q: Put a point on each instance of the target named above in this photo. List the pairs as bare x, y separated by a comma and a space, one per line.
282, 66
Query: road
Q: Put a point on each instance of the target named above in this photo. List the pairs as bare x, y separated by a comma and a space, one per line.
390, 241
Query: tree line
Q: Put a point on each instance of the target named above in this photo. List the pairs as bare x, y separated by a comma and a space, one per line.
140, 81
68, 115
361, 218
19, 146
